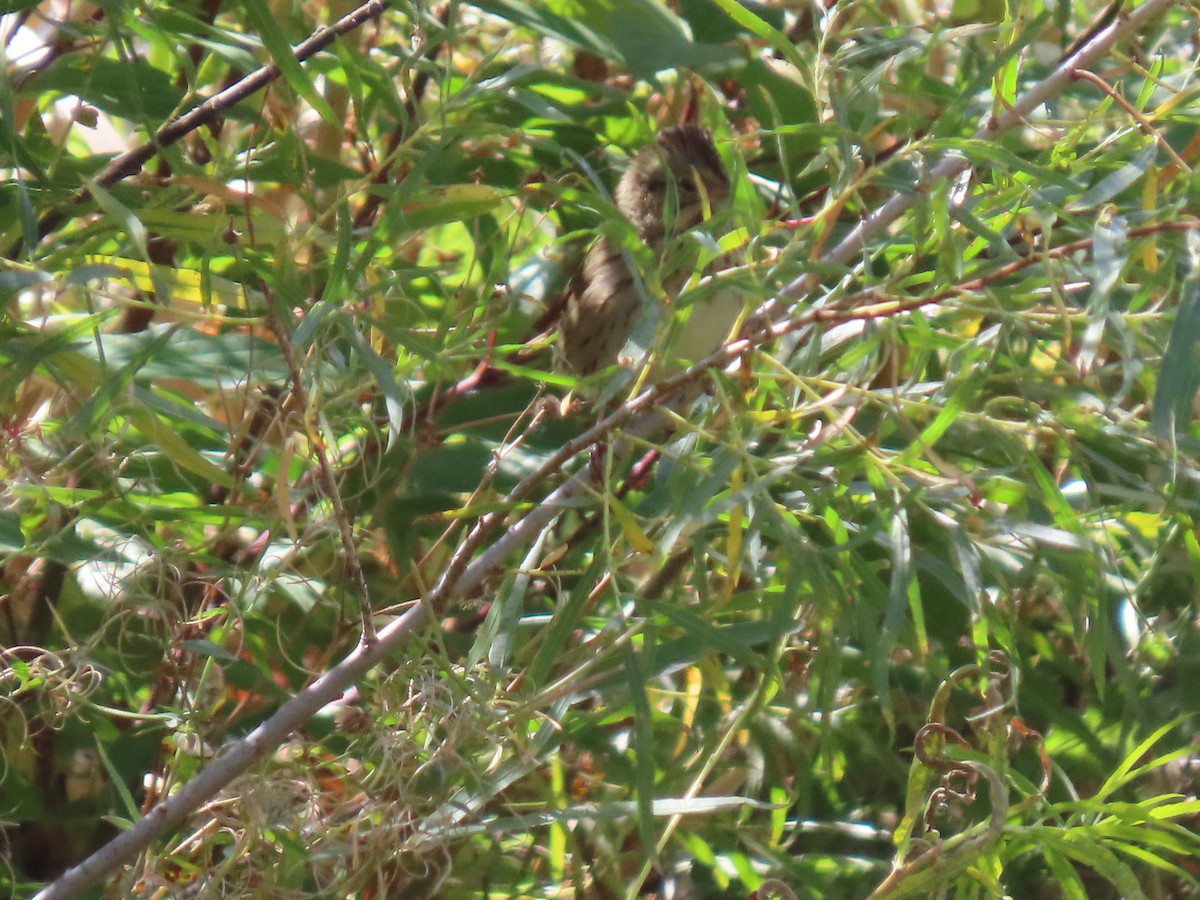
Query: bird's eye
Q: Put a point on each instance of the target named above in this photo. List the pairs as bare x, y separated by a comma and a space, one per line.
687, 184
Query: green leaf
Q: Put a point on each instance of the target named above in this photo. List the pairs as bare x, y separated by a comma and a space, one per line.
643, 742
760, 28
782, 105
441, 206
127, 89
12, 538
1179, 373
293, 73
710, 24
1116, 182
176, 448
651, 39
545, 19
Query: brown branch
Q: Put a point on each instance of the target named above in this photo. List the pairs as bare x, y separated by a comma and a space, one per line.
1103, 19
1146, 126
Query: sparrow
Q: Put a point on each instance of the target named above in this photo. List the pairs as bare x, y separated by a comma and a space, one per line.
668, 189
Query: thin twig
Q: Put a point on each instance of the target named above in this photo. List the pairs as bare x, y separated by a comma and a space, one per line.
331, 491
1146, 126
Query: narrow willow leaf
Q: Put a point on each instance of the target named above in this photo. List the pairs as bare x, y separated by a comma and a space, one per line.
282, 55
643, 740
178, 449
1124, 178
1179, 373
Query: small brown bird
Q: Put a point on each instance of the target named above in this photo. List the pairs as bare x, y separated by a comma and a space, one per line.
664, 192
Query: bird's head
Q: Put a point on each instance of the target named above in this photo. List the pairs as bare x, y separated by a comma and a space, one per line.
672, 183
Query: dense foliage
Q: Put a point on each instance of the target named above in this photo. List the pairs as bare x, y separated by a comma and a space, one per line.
902, 602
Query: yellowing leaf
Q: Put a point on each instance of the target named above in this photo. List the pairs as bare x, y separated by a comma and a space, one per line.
180, 451
184, 284
638, 539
